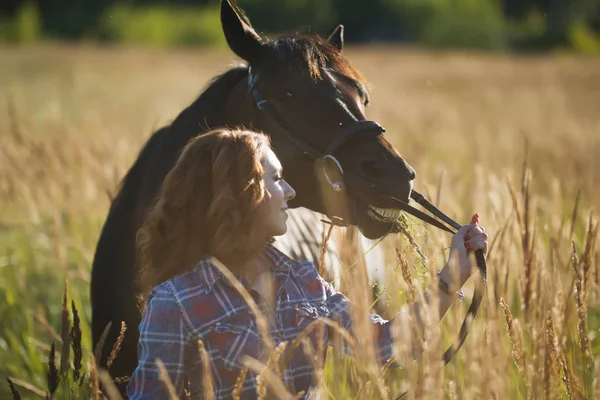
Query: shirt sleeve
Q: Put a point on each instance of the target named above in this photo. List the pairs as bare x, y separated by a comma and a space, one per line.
339, 307
163, 335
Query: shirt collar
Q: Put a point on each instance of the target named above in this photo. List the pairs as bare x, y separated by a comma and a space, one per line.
209, 274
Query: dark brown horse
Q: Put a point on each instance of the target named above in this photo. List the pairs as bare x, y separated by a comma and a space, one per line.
311, 101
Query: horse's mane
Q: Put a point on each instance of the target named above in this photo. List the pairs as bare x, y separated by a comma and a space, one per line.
314, 54
164, 146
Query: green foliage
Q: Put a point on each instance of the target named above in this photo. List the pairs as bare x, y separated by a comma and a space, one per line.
24, 28
467, 24
272, 16
583, 40
451, 23
31, 258
496, 25
162, 26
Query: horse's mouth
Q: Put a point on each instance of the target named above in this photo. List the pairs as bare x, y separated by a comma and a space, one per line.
383, 215
374, 222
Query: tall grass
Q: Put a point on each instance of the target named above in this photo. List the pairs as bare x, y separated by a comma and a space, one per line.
511, 139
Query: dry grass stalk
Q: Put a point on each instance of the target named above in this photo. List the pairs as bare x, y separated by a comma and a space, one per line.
94, 380
16, 127
52, 377
558, 316
102, 341
337, 329
587, 258
452, 392
117, 345
514, 338
597, 278
412, 242
320, 351
261, 387
552, 367
273, 362
516, 208
207, 380
410, 288
75, 336
568, 378
163, 375
527, 243
324, 246
239, 384
109, 385
299, 395
574, 214
13, 390
266, 377
596, 381
498, 241
28, 387
66, 339
39, 317
433, 374
581, 305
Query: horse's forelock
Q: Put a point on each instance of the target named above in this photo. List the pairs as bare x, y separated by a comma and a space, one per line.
313, 54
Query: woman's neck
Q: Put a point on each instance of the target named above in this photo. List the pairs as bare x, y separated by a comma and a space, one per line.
254, 266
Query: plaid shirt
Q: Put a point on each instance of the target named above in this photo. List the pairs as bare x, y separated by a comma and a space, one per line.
202, 304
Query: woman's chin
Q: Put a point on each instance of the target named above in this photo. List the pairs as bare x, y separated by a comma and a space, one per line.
281, 229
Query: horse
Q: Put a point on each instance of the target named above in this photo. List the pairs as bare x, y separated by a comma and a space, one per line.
306, 95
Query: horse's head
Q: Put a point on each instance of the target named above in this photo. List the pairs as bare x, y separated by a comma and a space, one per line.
307, 96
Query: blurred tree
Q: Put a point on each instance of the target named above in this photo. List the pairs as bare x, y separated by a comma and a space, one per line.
496, 24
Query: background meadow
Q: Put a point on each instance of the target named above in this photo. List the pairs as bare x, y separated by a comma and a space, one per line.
513, 138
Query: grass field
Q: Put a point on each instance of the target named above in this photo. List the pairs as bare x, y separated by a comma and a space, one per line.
514, 139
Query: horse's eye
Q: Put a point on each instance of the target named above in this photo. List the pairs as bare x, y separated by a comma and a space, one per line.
285, 96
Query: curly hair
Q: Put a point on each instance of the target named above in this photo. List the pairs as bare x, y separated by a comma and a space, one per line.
205, 206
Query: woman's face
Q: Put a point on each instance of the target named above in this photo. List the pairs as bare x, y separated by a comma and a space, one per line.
273, 215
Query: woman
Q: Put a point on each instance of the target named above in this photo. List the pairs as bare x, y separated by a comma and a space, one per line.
226, 198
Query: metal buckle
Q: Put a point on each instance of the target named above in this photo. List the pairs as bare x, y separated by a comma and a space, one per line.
337, 186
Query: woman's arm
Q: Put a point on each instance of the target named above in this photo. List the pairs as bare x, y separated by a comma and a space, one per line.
457, 270
163, 336
468, 238
340, 308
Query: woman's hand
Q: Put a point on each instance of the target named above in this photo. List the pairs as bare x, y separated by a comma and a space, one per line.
468, 239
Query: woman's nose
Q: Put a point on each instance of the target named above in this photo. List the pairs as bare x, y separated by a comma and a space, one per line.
291, 193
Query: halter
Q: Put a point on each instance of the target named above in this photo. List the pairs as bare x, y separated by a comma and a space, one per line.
358, 126
373, 128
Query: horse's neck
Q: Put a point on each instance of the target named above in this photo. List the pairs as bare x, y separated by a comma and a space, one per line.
239, 110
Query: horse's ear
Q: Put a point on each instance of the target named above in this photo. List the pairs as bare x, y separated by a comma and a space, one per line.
337, 37
241, 37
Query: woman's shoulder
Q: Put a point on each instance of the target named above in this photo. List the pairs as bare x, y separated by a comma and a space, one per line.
190, 294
